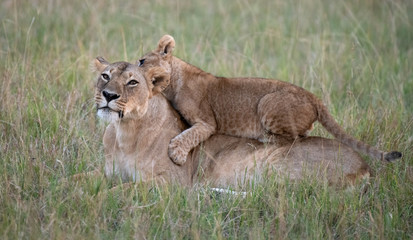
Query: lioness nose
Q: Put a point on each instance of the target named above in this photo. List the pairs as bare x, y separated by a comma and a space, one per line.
110, 96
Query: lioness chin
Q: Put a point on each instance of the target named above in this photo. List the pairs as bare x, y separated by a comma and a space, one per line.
255, 108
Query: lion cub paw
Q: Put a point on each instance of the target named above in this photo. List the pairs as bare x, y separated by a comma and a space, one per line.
176, 153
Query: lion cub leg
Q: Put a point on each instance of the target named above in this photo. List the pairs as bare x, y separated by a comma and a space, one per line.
180, 145
287, 115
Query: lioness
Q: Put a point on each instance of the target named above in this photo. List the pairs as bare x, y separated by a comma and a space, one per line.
142, 122
245, 107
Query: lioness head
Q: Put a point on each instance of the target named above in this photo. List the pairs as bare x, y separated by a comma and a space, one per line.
161, 56
123, 89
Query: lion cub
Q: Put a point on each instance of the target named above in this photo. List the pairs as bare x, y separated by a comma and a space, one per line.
245, 107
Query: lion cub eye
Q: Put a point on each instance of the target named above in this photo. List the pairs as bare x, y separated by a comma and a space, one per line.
141, 61
132, 83
105, 76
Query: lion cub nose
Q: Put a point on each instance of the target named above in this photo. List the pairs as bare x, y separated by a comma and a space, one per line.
110, 96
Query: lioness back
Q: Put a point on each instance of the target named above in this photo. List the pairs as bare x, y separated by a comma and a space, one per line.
226, 160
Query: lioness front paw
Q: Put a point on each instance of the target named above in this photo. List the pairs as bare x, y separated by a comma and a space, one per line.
176, 153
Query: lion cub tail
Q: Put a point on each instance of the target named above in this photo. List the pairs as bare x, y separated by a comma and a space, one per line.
328, 122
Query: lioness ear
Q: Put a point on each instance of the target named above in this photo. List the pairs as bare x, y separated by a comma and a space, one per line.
166, 45
159, 79
100, 64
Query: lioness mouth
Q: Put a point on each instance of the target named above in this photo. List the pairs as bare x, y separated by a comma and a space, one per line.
108, 109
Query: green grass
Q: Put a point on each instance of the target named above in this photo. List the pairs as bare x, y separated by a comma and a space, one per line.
355, 55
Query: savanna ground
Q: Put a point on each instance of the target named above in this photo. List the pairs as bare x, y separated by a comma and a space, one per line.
355, 55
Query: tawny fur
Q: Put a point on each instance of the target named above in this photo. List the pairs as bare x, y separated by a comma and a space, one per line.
136, 142
256, 108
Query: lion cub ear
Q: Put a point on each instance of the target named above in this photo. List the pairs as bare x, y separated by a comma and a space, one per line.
100, 64
166, 45
159, 79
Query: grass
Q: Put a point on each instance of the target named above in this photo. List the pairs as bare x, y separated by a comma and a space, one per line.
355, 55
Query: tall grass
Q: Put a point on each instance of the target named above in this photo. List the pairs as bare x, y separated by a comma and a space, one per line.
355, 55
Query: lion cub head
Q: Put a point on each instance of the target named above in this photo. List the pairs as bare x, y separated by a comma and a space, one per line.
161, 56
123, 89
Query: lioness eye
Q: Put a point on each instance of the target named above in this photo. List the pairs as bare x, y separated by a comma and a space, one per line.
105, 76
132, 82
141, 61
